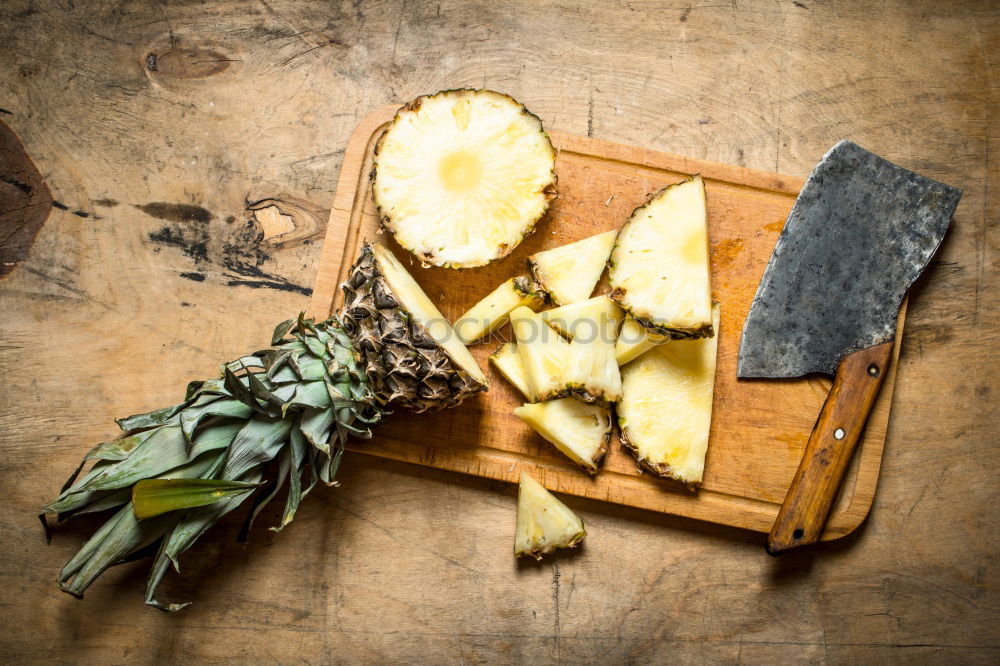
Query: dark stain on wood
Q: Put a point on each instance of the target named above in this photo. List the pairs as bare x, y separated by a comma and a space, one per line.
237, 248
25, 201
106, 203
176, 212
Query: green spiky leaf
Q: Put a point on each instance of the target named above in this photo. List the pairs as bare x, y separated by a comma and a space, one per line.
154, 497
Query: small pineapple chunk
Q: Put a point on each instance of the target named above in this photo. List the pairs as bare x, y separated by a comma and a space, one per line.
506, 360
542, 352
579, 430
584, 317
659, 270
543, 522
666, 409
634, 340
569, 273
591, 372
491, 312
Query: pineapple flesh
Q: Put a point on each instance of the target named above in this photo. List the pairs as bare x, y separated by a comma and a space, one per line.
279, 416
666, 410
634, 340
508, 362
462, 176
492, 312
569, 273
585, 317
543, 522
579, 430
659, 270
591, 373
542, 352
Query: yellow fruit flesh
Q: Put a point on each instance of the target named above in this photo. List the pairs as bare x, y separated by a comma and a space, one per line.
659, 268
543, 522
579, 430
492, 312
508, 362
542, 352
584, 317
634, 340
666, 410
462, 176
570, 272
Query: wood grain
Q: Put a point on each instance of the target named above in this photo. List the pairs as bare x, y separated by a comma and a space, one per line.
831, 444
407, 564
759, 428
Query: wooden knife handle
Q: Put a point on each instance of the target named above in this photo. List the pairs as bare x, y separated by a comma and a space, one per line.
838, 429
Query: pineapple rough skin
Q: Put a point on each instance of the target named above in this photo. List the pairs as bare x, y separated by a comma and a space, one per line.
405, 366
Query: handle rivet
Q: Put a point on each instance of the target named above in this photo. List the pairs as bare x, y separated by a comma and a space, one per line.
839, 433
873, 370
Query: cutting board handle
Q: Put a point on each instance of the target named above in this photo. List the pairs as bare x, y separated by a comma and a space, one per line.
838, 429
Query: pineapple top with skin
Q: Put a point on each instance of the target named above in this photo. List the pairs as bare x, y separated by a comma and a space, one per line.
461, 176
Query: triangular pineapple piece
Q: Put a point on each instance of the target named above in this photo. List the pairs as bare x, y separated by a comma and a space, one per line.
543, 522
570, 272
659, 269
579, 430
591, 372
508, 362
583, 316
491, 312
666, 409
542, 352
634, 340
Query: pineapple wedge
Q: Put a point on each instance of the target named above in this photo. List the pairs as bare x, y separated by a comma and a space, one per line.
508, 362
659, 269
666, 410
543, 522
634, 340
569, 273
492, 312
591, 372
542, 352
579, 430
584, 317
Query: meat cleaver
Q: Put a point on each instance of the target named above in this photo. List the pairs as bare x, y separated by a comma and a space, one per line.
860, 233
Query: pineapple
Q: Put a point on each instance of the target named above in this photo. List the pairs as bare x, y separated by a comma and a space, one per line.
591, 372
182, 468
584, 316
579, 430
659, 270
569, 273
543, 522
666, 410
462, 176
542, 352
634, 340
508, 362
492, 312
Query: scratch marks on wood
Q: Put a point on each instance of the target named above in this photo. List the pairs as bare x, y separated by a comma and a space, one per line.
555, 606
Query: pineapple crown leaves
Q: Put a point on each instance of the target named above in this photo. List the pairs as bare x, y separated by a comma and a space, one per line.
177, 471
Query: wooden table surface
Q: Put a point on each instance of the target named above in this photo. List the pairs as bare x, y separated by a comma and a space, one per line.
185, 155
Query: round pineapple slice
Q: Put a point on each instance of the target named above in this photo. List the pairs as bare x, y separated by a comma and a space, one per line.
462, 176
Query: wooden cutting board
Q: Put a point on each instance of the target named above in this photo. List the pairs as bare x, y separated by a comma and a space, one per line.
759, 427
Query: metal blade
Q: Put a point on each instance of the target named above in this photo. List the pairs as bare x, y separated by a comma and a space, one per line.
861, 231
